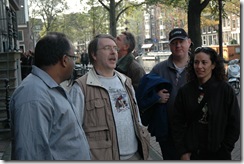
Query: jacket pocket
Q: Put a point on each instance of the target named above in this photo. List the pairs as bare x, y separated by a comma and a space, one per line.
100, 143
95, 113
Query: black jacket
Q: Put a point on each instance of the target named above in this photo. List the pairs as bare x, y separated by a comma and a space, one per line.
223, 116
131, 68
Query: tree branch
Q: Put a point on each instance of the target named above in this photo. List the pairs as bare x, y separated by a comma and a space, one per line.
126, 8
106, 7
204, 4
118, 3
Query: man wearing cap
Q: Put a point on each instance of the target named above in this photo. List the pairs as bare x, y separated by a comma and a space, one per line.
173, 69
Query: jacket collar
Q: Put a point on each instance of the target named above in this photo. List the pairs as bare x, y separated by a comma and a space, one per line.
44, 76
92, 77
124, 62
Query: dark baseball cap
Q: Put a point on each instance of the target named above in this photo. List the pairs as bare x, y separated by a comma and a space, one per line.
177, 33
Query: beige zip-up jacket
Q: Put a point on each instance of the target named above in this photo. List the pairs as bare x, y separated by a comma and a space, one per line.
99, 124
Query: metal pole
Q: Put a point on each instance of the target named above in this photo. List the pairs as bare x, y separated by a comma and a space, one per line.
220, 29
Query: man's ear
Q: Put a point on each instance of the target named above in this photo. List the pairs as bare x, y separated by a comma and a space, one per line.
94, 56
64, 60
190, 42
127, 46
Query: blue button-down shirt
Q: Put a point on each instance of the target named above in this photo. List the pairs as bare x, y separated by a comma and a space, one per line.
45, 124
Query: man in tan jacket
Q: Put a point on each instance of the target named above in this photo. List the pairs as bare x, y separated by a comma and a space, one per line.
111, 117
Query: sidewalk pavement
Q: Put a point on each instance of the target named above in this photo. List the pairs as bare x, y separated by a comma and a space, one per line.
5, 146
154, 153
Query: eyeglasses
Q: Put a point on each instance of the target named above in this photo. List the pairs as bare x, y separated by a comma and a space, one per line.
109, 48
73, 57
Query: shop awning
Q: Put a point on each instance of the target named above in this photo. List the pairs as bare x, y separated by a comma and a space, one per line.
146, 45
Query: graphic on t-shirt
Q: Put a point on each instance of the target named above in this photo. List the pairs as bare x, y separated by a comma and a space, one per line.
204, 119
120, 100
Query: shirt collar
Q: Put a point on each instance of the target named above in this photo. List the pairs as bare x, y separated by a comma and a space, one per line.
45, 77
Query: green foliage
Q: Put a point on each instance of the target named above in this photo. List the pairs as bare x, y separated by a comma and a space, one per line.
183, 4
115, 10
233, 41
97, 19
135, 24
82, 26
229, 6
232, 7
48, 10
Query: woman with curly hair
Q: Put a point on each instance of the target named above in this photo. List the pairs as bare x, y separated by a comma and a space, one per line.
206, 117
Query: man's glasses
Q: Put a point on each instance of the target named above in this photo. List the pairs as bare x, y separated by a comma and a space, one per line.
73, 57
109, 48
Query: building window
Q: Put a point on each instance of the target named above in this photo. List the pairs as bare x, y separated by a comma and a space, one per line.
22, 48
238, 22
233, 23
210, 40
214, 29
228, 22
237, 49
215, 41
20, 36
204, 30
204, 40
224, 22
209, 29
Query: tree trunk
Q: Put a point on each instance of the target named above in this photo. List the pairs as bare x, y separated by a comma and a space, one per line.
112, 17
194, 20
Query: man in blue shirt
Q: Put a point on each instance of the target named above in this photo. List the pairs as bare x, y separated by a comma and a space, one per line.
45, 124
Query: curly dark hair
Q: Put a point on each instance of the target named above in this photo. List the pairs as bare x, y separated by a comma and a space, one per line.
218, 71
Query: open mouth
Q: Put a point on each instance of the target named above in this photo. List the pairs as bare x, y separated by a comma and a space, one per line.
112, 59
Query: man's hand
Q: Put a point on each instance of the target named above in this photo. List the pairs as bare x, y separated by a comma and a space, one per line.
164, 94
186, 156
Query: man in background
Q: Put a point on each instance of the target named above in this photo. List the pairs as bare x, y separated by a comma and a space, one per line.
173, 70
84, 59
127, 63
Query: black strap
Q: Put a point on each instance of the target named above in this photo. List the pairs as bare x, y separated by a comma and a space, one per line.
202, 103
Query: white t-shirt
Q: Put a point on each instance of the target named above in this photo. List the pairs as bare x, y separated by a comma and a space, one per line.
122, 115
179, 69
